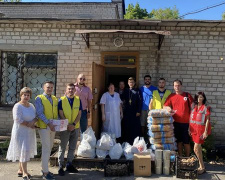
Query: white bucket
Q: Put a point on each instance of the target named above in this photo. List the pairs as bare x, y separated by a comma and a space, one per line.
158, 163
166, 155
166, 171
158, 170
166, 163
158, 154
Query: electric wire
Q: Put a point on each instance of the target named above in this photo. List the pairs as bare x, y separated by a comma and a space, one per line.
203, 9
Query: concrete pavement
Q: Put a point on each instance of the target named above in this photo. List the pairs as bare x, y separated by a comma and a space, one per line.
8, 171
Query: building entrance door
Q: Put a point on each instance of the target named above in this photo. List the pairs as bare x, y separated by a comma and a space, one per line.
98, 87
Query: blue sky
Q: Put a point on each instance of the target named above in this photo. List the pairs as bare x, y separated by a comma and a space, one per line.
183, 6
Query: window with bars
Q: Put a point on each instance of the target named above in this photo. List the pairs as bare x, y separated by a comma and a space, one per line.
20, 70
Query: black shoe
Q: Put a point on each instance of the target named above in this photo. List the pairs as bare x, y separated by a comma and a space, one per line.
71, 169
61, 172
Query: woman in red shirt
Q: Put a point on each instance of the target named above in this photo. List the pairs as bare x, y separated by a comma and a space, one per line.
199, 126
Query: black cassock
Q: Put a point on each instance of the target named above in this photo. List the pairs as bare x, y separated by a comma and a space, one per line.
131, 125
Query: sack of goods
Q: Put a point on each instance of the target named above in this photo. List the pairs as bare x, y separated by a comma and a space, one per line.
87, 146
162, 134
101, 153
160, 130
140, 144
171, 147
104, 144
127, 151
160, 120
116, 151
169, 140
160, 127
159, 113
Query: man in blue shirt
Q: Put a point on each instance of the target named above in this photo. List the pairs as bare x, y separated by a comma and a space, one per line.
146, 92
69, 136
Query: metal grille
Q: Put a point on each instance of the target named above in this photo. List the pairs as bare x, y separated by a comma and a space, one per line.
20, 70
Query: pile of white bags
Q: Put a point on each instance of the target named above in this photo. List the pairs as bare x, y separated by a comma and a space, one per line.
104, 145
160, 130
139, 146
87, 146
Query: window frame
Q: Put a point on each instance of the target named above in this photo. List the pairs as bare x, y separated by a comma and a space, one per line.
9, 106
123, 53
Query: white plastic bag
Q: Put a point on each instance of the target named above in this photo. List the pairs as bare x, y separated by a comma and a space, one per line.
127, 150
106, 142
89, 136
116, 151
100, 152
140, 144
85, 150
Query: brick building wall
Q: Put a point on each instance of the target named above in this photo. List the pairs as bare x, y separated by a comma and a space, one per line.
191, 54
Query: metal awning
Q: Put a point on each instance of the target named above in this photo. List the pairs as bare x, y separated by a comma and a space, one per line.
85, 33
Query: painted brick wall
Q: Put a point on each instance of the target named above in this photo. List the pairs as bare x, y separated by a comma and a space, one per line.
191, 54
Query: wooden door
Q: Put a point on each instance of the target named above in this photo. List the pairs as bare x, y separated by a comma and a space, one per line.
98, 88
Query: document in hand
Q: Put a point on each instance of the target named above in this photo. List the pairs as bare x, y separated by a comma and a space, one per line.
61, 124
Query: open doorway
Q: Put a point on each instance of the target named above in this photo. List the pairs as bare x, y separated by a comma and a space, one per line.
116, 74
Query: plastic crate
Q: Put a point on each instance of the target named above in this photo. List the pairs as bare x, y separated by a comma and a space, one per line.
186, 174
116, 168
187, 163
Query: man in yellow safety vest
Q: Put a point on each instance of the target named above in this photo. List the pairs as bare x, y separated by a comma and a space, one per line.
159, 96
47, 108
70, 108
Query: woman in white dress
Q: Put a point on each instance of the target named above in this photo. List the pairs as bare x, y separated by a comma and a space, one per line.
112, 112
23, 144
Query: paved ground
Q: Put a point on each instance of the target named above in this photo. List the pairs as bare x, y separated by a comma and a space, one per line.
8, 171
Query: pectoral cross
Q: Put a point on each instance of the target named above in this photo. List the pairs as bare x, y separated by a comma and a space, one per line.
130, 101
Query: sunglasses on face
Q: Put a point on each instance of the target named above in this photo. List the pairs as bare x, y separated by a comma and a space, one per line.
82, 79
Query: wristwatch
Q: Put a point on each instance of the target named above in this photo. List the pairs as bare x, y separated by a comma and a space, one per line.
88, 112
74, 123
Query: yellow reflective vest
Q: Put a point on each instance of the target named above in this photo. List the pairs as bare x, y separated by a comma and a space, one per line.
69, 113
157, 101
50, 110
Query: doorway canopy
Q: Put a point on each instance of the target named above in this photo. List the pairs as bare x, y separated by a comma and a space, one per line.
85, 33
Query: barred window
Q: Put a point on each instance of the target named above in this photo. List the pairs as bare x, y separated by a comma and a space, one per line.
20, 70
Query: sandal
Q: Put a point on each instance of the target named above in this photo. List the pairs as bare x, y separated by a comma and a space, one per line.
201, 171
26, 178
20, 174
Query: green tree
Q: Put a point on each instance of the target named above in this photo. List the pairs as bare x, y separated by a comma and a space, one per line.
136, 12
223, 16
166, 13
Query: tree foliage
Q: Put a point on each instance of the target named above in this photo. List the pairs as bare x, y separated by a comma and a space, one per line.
166, 13
223, 16
136, 12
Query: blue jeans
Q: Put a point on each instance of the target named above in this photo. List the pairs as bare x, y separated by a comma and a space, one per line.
83, 121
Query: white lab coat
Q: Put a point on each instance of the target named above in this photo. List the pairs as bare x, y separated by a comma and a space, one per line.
112, 124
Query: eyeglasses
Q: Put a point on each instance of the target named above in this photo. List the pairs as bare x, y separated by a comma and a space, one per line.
82, 79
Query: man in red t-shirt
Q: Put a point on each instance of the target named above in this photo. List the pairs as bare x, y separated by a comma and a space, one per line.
180, 102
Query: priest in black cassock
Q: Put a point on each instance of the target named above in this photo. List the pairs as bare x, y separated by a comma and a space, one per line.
132, 109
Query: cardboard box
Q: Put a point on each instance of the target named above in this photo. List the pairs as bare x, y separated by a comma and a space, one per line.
142, 164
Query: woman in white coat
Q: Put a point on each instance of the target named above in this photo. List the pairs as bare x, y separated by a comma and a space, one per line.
112, 112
